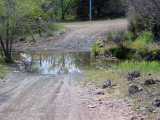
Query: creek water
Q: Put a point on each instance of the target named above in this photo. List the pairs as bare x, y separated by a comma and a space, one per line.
60, 62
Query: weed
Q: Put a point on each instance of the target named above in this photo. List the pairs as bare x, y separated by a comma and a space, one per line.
95, 49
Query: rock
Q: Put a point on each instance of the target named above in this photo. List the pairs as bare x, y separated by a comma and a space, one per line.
100, 93
100, 102
129, 104
150, 82
106, 84
22, 39
129, 77
91, 106
149, 74
134, 118
101, 45
134, 73
155, 103
133, 89
157, 80
140, 89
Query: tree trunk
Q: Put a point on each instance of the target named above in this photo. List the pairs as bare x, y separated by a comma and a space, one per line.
7, 30
62, 10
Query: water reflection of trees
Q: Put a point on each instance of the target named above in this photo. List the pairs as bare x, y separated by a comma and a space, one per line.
56, 62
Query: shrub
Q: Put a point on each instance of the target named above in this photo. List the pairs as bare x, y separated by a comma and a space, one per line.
1, 51
98, 43
106, 52
117, 37
130, 36
142, 42
8, 60
95, 49
136, 24
3, 71
120, 53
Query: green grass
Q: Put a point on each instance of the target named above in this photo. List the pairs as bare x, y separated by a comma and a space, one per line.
99, 76
3, 71
52, 26
58, 26
143, 66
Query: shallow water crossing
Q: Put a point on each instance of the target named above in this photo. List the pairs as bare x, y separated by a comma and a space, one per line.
58, 62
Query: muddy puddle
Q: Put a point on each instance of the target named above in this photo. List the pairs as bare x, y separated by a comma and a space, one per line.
58, 62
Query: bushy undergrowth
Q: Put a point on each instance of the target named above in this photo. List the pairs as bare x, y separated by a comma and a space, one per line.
130, 45
142, 42
3, 71
8, 60
143, 66
95, 49
120, 53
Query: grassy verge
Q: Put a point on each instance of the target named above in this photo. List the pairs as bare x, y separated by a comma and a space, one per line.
57, 27
143, 66
140, 101
3, 71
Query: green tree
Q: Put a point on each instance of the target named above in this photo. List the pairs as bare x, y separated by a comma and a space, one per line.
13, 15
62, 7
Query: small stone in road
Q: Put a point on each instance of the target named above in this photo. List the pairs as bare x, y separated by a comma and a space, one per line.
100, 93
109, 106
91, 106
101, 103
129, 104
89, 83
134, 118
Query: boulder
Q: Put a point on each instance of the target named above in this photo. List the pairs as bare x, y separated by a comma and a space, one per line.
107, 83
155, 103
150, 82
134, 73
132, 89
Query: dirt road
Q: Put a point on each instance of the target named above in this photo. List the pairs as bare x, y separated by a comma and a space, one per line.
82, 35
38, 97
79, 36
26, 96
